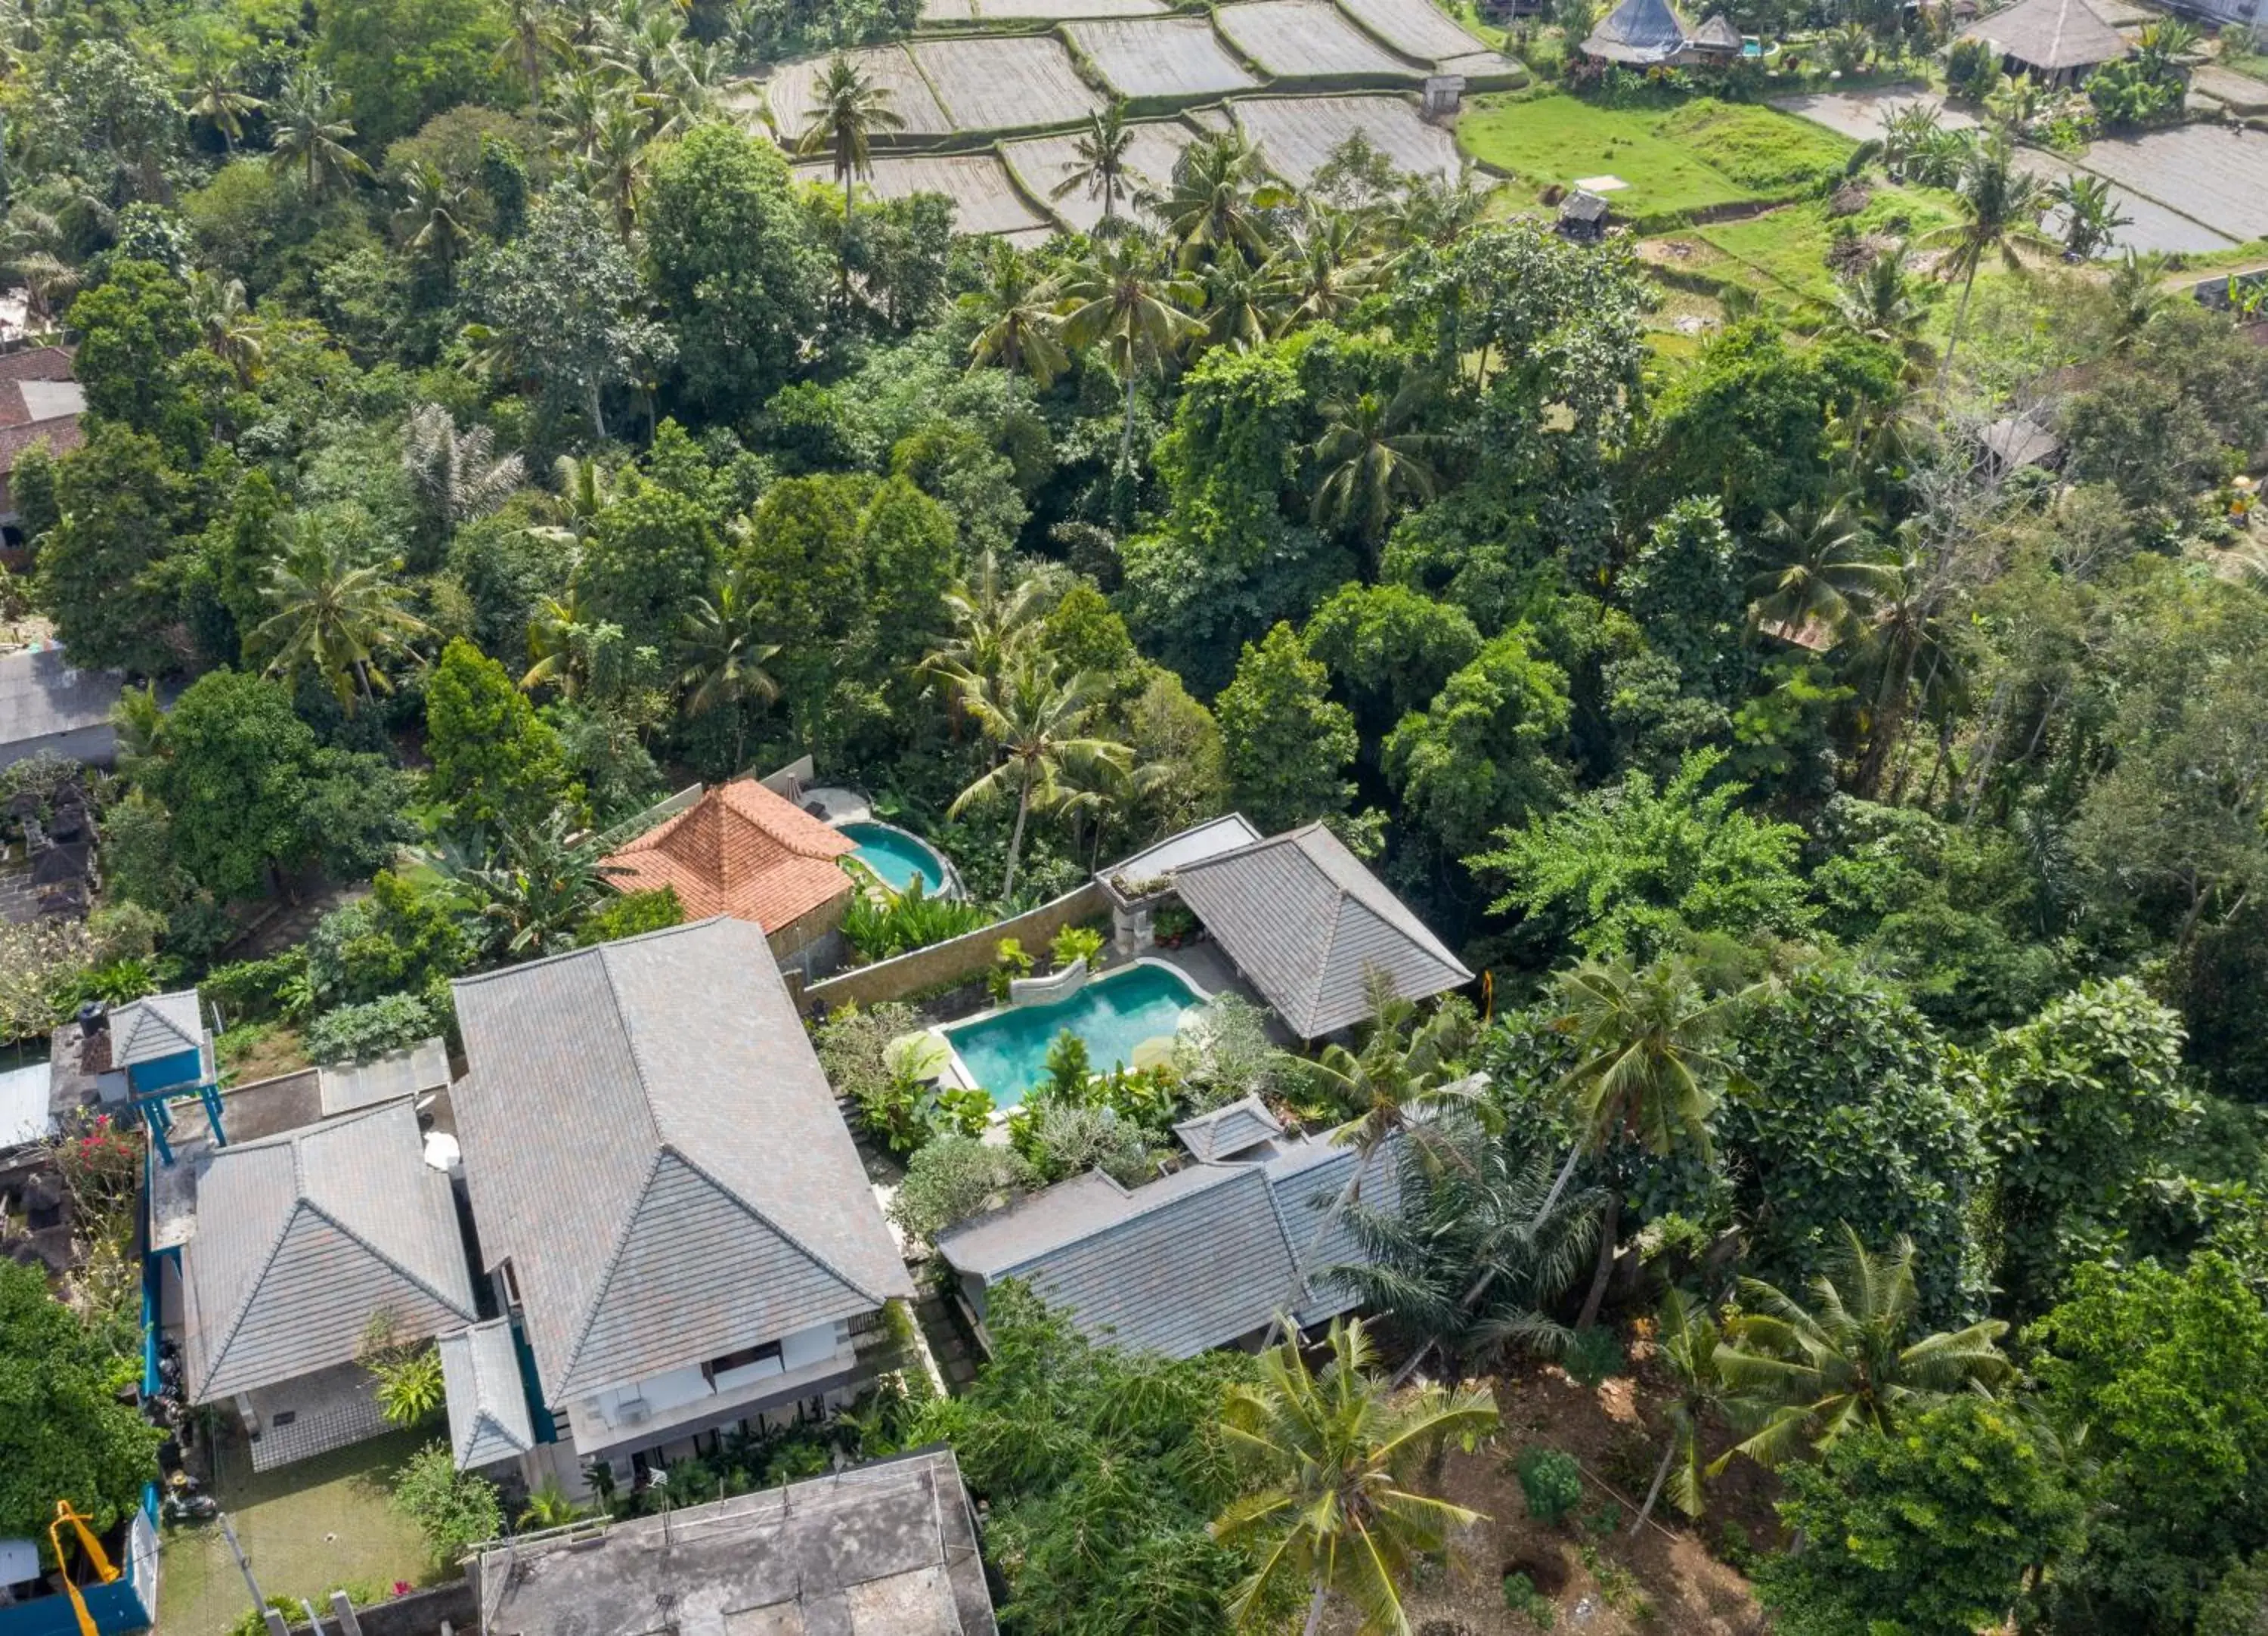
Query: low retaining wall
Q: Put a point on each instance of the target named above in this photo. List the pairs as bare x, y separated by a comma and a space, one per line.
957, 959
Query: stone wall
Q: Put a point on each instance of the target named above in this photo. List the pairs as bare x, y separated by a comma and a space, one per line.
957, 959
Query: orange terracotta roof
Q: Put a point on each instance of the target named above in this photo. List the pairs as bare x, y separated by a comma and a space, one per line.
743, 852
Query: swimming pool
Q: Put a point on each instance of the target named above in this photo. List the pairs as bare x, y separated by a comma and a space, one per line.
1007, 1052
897, 858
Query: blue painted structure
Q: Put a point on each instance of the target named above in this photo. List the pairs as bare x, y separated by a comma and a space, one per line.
128, 1603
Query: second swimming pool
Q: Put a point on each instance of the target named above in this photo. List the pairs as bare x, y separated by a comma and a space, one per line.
1007, 1052
897, 858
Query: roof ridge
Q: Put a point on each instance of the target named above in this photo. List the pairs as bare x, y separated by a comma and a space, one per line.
215, 1354
630, 1044
589, 1316
418, 1278
585, 953
765, 1220
1227, 1176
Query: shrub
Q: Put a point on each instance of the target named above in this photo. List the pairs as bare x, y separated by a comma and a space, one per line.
853, 1045
257, 990
1550, 1481
952, 1178
631, 915
358, 1033
1075, 943
1067, 1139
1971, 68
1522, 1597
455, 1510
1009, 963
1592, 1356
1222, 1051
1069, 1070
898, 924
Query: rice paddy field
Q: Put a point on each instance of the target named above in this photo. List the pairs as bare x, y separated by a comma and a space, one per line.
1306, 40
1415, 29
1039, 163
986, 200
1297, 134
1006, 83
788, 93
2150, 225
1159, 56
1783, 253
1063, 11
1697, 156
2208, 173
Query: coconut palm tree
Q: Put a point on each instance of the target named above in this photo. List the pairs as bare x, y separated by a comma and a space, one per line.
994, 617
31, 251
1434, 210
1805, 1375
1098, 163
1647, 1069
1238, 299
1324, 269
1038, 721
2091, 215
215, 96
458, 476
2000, 207
1907, 659
2138, 294
848, 110
1334, 1460
615, 166
224, 321
1688, 1342
1126, 298
1461, 1257
1877, 304
1020, 331
725, 655
336, 613
1409, 1068
1821, 574
527, 41
311, 132
432, 215
579, 101
1371, 461
1219, 188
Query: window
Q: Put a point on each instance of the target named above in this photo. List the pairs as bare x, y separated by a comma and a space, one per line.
740, 1360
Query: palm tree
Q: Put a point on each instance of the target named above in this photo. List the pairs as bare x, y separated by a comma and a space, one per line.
1688, 1344
1016, 307
1334, 1457
539, 884
1821, 573
1435, 210
2167, 49
226, 323
615, 165
1126, 298
1878, 305
1462, 1257
1322, 272
1807, 1376
2091, 215
2000, 210
335, 614
1409, 1068
215, 97
459, 477
1907, 133
1369, 462
694, 76
725, 656
1647, 1069
579, 102
527, 41
312, 132
1219, 187
1098, 165
993, 618
2138, 292
430, 214
1038, 720
847, 111
1907, 648
1237, 298
31, 251
2015, 101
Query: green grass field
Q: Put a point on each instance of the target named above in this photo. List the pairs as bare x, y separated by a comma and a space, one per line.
1785, 251
1693, 157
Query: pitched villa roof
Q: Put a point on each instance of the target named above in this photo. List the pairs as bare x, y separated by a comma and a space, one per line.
1236, 1128
1638, 32
2050, 34
1192, 1261
740, 850
715, 1200
1306, 923
488, 1406
302, 1238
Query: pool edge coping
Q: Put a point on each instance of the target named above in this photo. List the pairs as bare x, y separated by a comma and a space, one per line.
966, 1081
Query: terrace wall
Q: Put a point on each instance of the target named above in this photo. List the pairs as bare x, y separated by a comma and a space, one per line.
955, 959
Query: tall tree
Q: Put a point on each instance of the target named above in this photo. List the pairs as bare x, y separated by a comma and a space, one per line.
1215, 200
1098, 163
102, 572
334, 613
2001, 207
1126, 299
848, 110
1020, 330
1372, 459
1821, 573
1040, 722
311, 132
725, 655
495, 760
1288, 741
217, 95
1687, 1340
1336, 1511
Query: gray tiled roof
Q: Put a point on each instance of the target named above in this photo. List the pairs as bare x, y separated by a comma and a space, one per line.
42, 697
1231, 1129
1306, 923
648, 1138
302, 1238
1194, 845
1192, 1261
159, 1026
488, 1406
412, 1071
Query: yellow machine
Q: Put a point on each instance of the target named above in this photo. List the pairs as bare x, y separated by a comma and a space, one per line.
95, 1554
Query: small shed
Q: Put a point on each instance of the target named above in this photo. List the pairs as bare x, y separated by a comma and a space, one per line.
1716, 40
2018, 441
2058, 42
1583, 216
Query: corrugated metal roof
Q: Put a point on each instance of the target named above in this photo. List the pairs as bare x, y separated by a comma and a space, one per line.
25, 1115
156, 1027
301, 1238
488, 1419
1307, 923
716, 1200
1234, 1128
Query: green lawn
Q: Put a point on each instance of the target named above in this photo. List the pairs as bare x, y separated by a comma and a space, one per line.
1784, 251
310, 1528
1691, 157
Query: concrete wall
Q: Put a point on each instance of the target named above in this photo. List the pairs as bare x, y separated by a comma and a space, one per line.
957, 959
419, 1613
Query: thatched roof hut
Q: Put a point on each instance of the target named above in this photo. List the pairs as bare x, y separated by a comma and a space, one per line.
2057, 40
1639, 34
1715, 38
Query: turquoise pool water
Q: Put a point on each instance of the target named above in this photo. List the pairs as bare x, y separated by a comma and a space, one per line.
1007, 1054
899, 860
